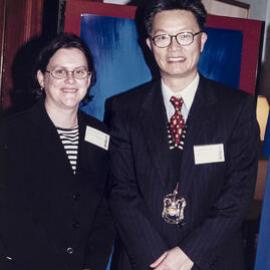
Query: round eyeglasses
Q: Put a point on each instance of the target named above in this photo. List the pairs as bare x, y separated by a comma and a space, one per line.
182, 38
62, 73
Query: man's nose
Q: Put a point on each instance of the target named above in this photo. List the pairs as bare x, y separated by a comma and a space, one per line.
174, 44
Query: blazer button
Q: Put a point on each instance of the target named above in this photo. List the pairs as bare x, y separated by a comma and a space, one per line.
9, 258
70, 250
76, 224
76, 196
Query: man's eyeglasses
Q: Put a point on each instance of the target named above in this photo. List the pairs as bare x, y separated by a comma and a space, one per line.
182, 38
62, 73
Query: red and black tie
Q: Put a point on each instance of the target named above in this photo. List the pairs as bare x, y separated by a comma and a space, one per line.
176, 124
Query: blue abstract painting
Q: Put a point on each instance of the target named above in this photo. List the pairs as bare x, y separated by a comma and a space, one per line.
221, 57
120, 63
119, 60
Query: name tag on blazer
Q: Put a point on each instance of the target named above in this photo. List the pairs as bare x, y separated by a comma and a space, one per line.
208, 153
97, 137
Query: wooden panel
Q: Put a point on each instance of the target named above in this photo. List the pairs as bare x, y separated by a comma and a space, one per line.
23, 21
2, 34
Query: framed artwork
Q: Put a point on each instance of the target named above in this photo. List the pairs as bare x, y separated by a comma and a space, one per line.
231, 54
120, 2
231, 8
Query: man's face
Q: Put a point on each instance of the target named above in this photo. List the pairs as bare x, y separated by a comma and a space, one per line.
177, 61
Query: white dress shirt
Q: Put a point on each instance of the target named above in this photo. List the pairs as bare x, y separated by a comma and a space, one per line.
187, 95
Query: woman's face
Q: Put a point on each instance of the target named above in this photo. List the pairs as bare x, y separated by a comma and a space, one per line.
67, 91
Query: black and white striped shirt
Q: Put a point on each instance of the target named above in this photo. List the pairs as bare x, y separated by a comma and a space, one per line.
70, 141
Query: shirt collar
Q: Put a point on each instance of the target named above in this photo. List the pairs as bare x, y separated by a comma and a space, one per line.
187, 93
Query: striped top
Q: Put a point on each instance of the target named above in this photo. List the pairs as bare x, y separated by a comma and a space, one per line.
70, 141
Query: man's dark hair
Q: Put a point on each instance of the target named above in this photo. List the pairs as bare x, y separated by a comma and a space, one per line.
152, 7
64, 41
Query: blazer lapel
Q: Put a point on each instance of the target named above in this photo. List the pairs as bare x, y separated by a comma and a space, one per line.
50, 141
91, 158
85, 154
199, 124
154, 127
81, 149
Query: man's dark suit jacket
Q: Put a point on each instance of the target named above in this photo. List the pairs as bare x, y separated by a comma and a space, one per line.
218, 194
50, 218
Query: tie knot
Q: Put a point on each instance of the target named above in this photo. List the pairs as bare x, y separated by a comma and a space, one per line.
177, 103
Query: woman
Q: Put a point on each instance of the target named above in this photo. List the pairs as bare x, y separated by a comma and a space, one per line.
53, 210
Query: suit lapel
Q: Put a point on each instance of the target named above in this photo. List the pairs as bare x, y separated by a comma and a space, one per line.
154, 127
81, 150
199, 124
92, 159
87, 151
54, 151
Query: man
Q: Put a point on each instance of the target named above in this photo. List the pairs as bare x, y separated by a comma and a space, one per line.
183, 155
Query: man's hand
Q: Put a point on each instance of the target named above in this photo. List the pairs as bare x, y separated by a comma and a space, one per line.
173, 259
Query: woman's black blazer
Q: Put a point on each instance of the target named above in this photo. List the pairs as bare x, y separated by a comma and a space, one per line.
49, 217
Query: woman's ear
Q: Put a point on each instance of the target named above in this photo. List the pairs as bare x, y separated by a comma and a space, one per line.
203, 40
40, 78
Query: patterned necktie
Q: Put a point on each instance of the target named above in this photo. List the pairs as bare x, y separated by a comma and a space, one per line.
177, 122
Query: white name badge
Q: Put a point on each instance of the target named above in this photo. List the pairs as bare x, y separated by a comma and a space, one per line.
209, 153
97, 137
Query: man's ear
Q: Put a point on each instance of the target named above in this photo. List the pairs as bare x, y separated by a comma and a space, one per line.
203, 40
40, 78
89, 80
